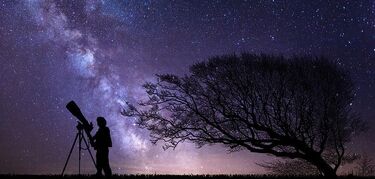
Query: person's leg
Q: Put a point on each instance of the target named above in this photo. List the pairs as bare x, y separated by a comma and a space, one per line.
99, 163
106, 167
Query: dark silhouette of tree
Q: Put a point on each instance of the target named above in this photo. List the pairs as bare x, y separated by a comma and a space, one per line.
365, 166
297, 108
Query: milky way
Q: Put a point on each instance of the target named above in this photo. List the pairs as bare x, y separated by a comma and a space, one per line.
99, 53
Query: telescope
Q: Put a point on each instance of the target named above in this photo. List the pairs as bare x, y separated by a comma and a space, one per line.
82, 122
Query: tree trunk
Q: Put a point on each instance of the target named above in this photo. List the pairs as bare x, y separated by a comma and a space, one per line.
323, 166
327, 170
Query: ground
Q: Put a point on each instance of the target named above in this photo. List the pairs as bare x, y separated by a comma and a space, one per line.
167, 176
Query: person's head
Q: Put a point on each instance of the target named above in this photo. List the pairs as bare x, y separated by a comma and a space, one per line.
101, 121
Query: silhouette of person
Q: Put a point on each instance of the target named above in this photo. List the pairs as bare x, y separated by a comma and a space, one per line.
102, 140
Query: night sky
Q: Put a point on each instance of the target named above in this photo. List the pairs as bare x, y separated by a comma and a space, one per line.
99, 53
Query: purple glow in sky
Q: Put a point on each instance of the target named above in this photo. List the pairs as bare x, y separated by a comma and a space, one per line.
99, 53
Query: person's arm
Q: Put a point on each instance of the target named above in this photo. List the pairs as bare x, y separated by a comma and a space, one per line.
94, 137
93, 142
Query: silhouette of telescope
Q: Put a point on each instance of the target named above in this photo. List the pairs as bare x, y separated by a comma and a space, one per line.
82, 122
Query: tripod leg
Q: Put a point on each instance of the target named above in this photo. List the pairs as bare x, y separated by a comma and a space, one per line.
70, 153
88, 148
79, 152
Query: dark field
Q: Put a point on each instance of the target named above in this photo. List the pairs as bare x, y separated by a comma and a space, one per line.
170, 176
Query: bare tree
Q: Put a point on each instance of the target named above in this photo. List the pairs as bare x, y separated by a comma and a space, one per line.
298, 108
365, 166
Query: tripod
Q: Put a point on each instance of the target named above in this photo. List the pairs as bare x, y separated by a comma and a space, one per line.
80, 136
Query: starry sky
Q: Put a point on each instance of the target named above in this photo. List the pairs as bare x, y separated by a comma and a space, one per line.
99, 53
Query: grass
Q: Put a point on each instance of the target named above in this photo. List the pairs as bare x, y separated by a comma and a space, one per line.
169, 177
